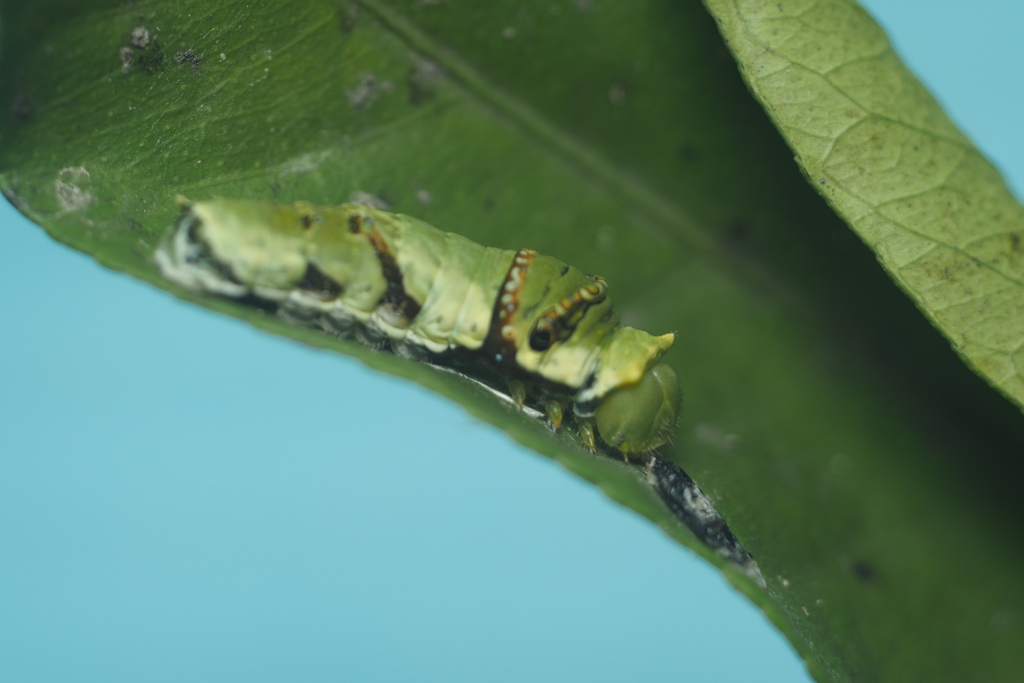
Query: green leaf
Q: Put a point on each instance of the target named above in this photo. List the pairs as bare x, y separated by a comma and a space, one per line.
872, 475
889, 161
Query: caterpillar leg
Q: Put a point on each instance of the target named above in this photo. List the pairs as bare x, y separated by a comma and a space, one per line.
371, 338
586, 427
411, 351
555, 411
517, 390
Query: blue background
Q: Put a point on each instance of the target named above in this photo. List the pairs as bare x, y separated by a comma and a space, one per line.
174, 504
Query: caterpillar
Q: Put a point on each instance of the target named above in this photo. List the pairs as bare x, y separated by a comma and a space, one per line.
546, 329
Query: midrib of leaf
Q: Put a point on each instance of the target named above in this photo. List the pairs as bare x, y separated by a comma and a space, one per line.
546, 134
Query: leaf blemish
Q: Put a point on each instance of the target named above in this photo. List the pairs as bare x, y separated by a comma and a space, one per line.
349, 18
127, 56
71, 196
367, 91
423, 76
22, 107
717, 438
152, 60
139, 37
370, 200
863, 570
188, 57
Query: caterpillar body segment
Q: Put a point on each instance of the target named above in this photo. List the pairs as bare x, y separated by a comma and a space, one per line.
549, 329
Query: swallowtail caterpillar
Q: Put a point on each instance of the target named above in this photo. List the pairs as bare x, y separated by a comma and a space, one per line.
543, 326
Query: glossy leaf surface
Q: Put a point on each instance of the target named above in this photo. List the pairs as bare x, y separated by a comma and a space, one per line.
870, 473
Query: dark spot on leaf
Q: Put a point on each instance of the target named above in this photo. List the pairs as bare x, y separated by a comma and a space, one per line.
423, 76
419, 93
489, 203
348, 17
738, 231
1014, 241
188, 57
688, 153
151, 61
863, 570
22, 107
355, 225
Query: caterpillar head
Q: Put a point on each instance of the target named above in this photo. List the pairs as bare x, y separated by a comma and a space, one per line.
640, 417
